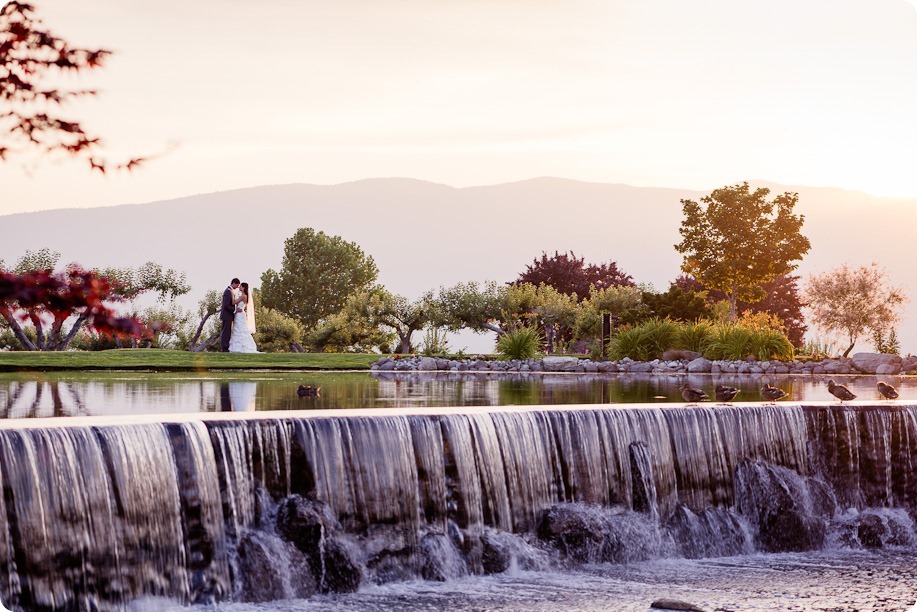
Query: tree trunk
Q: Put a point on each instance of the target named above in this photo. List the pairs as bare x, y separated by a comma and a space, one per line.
27, 344
733, 315
849, 348
65, 343
197, 334
405, 342
493, 328
197, 348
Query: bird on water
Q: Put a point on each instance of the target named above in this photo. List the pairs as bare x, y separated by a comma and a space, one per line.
725, 394
308, 391
887, 391
840, 392
772, 394
692, 395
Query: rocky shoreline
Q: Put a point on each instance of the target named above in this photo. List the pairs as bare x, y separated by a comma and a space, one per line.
860, 363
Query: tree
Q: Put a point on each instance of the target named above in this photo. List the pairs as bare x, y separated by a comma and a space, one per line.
31, 61
318, 274
470, 306
209, 306
552, 312
570, 275
48, 299
854, 301
734, 240
277, 333
781, 299
677, 304
624, 303
122, 284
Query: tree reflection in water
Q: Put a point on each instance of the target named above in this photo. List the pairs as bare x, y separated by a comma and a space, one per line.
41, 398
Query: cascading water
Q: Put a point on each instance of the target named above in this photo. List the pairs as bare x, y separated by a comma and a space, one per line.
93, 517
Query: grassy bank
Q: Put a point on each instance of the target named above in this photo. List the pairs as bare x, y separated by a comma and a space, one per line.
165, 360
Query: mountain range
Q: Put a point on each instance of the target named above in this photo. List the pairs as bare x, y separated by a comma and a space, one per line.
423, 235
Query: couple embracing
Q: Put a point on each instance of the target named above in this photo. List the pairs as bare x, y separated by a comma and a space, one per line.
237, 314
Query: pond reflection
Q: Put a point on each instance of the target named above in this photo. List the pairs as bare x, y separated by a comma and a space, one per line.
108, 393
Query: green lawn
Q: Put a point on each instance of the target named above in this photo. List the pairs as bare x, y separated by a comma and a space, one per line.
160, 359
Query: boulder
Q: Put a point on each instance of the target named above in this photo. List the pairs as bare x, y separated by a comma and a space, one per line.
868, 363
343, 572
496, 556
700, 366
560, 364
271, 569
427, 364
305, 523
887, 369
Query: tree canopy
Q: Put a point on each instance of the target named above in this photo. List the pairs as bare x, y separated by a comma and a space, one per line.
318, 274
735, 240
570, 274
854, 301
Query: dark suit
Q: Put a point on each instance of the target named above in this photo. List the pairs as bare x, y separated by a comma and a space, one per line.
227, 313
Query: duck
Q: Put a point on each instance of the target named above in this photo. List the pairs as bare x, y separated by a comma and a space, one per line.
772, 393
308, 391
725, 394
840, 392
692, 395
887, 391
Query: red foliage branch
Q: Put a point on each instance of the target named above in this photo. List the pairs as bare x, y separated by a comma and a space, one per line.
30, 54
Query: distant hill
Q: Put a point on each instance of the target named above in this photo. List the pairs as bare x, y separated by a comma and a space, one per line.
423, 234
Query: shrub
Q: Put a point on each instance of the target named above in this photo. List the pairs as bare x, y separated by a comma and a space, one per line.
646, 341
276, 331
692, 336
521, 343
731, 341
630, 342
434, 342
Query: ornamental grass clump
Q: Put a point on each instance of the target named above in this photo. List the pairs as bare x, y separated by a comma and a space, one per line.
731, 341
520, 343
693, 336
646, 341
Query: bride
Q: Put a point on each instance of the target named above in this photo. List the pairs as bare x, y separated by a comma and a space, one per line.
243, 324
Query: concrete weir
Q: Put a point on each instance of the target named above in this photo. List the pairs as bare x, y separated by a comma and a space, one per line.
97, 512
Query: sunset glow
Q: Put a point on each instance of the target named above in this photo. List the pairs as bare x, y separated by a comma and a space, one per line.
659, 93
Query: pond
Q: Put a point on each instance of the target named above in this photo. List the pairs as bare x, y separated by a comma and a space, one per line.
110, 393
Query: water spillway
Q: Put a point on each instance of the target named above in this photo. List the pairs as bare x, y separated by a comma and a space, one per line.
94, 515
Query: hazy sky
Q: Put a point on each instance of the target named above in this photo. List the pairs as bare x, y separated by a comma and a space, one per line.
691, 94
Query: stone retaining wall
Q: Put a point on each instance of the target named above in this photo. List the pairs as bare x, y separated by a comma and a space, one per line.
860, 363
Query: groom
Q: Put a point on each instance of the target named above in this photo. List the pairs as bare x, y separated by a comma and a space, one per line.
227, 312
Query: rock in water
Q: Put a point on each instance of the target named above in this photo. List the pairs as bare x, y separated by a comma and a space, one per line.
887, 391
840, 392
305, 523
674, 604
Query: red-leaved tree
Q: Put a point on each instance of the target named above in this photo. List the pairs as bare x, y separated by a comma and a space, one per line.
48, 300
570, 275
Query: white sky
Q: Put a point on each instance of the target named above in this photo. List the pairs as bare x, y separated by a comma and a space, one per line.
693, 94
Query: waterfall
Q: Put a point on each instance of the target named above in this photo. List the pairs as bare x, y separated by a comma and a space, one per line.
95, 516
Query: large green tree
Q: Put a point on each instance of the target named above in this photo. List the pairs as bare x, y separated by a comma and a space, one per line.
735, 240
318, 274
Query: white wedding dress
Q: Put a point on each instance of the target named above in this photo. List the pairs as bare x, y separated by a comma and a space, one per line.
241, 340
